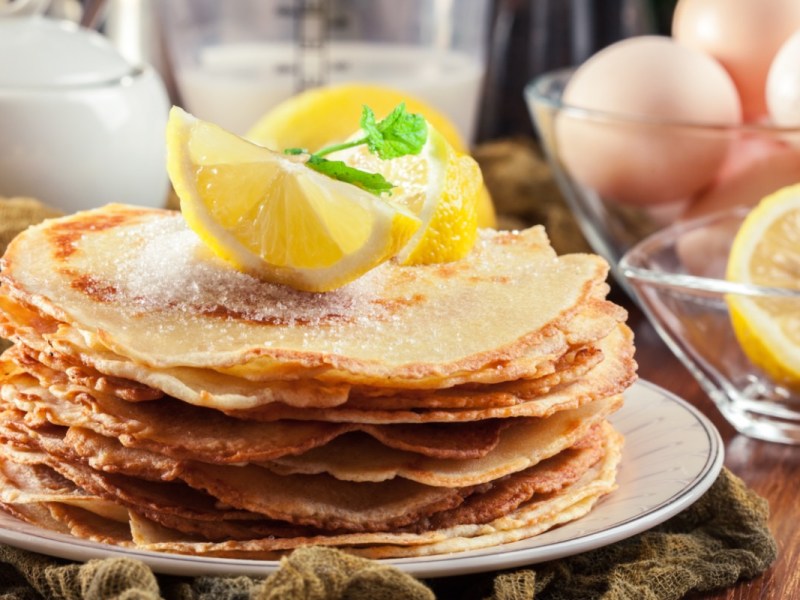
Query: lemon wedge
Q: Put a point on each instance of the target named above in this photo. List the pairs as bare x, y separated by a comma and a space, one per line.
270, 215
440, 186
766, 252
322, 116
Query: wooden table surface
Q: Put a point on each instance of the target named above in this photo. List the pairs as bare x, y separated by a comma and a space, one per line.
772, 470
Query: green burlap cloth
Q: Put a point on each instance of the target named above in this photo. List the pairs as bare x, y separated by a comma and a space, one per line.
718, 540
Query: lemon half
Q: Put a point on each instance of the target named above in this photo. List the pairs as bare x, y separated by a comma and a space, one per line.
766, 252
271, 215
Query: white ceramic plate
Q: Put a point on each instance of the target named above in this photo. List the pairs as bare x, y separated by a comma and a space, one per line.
672, 456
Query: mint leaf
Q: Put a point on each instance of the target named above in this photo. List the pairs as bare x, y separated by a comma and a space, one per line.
374, 183
399, 134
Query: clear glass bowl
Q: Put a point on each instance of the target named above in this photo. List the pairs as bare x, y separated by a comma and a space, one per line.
626, 177
677, 276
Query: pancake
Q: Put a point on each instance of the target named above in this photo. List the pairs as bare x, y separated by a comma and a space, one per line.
87, 524
611, 376
525, 443
569, 367
508, 493
205, 390
62, 347
139, 283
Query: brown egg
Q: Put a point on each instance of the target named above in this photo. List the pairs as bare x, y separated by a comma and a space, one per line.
744, 35
634, 152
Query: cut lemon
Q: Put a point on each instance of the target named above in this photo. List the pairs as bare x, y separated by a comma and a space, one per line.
438, 185
271, 215
766, 252
323, 116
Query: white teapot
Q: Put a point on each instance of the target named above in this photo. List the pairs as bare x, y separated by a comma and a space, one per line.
79, 126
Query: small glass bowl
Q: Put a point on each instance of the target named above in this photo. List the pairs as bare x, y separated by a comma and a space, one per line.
626, 177
677, 276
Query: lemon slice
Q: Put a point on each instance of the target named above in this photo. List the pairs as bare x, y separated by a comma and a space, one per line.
323, 116
271, 215
766, 252
440, 186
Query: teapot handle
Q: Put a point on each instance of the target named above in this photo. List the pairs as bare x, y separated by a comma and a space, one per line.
23, 8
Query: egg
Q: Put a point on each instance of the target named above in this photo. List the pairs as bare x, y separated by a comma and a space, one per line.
631, 150
744, 35
783, 85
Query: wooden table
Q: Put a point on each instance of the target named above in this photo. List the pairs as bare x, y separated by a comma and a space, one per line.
772, 470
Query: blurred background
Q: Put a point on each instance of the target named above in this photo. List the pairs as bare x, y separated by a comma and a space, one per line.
531, 37
234, 62
512, 40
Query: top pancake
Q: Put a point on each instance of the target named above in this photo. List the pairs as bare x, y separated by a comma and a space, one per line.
139, 283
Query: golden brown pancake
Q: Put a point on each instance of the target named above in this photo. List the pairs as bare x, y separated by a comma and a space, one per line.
140, 284
611, 376
525, 443
570, 366
62, 347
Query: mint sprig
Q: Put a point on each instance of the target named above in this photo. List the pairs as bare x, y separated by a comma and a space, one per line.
401, 133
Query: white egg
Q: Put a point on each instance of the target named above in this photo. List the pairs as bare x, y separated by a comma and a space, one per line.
633, 149
783, 85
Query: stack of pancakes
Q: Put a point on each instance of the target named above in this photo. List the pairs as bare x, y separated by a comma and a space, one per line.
155, 397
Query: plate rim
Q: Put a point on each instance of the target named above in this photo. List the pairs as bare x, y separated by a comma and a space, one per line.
65, 546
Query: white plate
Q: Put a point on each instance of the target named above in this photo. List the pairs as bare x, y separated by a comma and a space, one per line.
672, 456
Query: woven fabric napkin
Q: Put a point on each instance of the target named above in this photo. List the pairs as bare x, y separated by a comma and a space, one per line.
718, 540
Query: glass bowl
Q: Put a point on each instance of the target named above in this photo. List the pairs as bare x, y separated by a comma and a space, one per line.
677, 276
626, 177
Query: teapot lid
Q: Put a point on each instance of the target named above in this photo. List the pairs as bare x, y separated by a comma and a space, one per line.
53, 53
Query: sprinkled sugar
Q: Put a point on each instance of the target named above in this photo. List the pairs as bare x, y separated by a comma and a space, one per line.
167, 265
